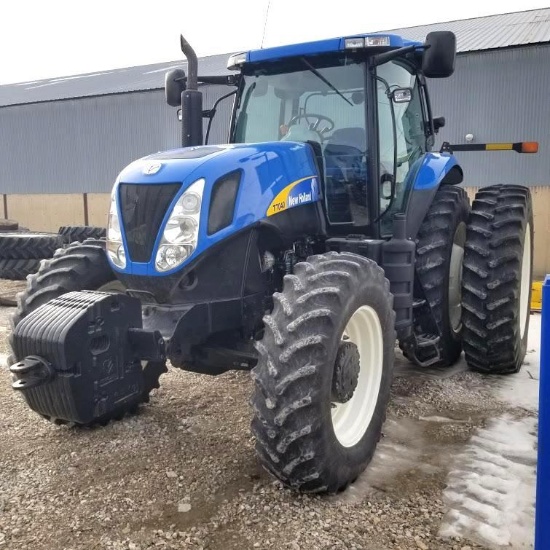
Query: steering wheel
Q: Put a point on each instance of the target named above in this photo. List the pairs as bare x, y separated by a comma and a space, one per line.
313, 126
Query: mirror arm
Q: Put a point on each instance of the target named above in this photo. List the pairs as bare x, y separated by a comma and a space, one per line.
224, 80
382, 58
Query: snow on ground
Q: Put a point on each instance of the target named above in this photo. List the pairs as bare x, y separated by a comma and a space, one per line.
491, 489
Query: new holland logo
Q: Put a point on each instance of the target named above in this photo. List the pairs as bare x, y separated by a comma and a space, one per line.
152, 168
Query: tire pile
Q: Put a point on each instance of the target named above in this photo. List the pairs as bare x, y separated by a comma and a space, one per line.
21, 251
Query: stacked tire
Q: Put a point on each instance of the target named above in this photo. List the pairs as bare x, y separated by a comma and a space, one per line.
21, 253
79, 233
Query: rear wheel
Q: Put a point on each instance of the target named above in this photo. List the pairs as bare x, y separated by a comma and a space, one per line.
81, 266
498, 266
324, 371
439, 256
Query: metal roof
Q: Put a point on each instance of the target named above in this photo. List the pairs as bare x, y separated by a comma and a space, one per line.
479, 33
115, 81
490, 32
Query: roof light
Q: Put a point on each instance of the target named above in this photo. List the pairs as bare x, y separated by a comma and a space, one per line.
236, 60
354, 43
373, 41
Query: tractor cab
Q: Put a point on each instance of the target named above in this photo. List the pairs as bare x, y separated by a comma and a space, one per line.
361, 104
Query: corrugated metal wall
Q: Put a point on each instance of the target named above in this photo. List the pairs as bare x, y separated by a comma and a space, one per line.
80, 145
499, 95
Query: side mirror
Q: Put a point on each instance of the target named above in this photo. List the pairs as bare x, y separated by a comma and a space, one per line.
438, 60
402, 95
175, 83
387, 182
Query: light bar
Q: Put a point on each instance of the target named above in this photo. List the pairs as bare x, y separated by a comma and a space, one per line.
235, 61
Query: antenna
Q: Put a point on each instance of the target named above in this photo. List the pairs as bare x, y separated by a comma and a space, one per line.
265, 22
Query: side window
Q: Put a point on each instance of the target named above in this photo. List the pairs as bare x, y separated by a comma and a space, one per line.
402, 136
258, 120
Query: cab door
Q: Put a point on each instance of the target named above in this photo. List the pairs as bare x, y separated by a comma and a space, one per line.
402, 135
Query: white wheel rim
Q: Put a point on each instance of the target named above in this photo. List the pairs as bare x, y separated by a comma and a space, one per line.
525, 285
455, 278
351, 420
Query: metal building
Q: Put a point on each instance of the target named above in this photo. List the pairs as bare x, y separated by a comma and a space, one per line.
64, 140
74, 134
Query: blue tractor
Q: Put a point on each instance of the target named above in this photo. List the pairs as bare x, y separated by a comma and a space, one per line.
326, 230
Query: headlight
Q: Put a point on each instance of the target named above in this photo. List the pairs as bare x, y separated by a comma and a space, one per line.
115, 246
181, 231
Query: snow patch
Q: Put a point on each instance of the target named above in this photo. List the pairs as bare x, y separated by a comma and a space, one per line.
491, 490
398, 452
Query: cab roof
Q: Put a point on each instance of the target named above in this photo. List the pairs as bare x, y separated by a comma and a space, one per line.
374, 40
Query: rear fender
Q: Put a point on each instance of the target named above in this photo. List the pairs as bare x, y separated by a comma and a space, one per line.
435, 169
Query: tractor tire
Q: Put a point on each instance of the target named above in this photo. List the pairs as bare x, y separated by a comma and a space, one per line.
28, 246
322, 382
439, 253
17, 270
80, 266
79, 233
496, 288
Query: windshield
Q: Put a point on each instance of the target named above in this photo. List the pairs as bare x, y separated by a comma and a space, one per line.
320, 100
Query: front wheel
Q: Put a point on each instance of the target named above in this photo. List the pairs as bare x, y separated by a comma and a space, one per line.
324, 372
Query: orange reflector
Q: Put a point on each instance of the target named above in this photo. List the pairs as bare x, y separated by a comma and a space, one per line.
529, 147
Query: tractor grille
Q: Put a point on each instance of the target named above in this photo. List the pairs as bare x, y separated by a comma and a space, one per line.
143, 208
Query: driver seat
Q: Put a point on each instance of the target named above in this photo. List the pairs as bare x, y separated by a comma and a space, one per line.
345, 150
345, 169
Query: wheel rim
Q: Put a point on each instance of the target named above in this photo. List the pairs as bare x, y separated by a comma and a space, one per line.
525, 284
351, 420
455, 278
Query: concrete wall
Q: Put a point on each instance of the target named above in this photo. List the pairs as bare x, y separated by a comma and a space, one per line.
48, 212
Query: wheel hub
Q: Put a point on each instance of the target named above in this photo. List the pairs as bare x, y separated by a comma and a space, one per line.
346, 372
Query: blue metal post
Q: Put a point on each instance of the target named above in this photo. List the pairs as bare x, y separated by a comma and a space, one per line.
542, 518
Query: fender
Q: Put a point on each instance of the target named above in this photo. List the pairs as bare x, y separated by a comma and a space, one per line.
431, 171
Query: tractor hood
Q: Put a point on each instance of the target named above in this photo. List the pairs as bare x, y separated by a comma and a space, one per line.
243, 184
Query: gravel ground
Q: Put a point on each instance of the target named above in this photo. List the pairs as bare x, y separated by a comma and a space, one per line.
183, 473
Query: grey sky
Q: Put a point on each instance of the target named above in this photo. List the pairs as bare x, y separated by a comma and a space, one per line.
48, 38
